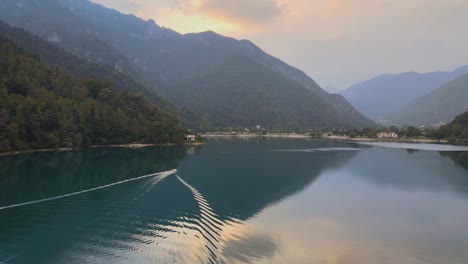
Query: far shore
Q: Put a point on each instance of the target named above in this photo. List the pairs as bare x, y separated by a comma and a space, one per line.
251, 135
240, 135
397, 140
131, 146
340, 138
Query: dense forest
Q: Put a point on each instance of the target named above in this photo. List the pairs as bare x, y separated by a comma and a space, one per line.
46, 107
53, 55
455, 131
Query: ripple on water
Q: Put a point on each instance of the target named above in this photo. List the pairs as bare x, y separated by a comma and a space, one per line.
123, 223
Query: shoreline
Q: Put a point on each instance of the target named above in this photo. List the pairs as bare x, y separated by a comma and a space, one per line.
273, 135
129, 146
399, 140
324, 137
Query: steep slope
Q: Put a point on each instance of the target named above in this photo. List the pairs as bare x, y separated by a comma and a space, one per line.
441, 105
242, 92
455, 131
381, 96
158, 57
46, 107
56, 23
56, 56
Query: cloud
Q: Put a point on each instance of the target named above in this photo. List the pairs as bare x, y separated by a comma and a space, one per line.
229, 16
252, 12
337, 42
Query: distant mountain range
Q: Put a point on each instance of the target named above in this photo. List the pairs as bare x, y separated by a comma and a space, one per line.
379, 98
203, 72
439, 106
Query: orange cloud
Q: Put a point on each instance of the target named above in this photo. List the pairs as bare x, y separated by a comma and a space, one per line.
228, 15
352, 38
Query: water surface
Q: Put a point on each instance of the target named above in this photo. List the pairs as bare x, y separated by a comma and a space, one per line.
237, 201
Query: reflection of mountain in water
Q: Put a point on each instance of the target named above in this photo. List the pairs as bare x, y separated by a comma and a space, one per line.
110, 225
197, 217
460, 158
41, 175
412, 170
249, 177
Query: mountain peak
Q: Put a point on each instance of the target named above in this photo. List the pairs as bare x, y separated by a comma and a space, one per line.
165, 60
151, 22
381, 97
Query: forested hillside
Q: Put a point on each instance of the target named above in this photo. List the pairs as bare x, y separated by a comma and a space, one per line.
53, 55
457, 130
167, 61
243, 93
46, 107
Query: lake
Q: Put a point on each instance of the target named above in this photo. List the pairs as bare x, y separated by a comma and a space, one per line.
236, 201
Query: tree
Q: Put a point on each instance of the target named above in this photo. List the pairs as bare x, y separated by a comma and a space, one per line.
46, 107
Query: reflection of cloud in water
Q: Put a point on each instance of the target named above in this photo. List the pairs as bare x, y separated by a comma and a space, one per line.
230, 239
252, 246
407, 171
363, 225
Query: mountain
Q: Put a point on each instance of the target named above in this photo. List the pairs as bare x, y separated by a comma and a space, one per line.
160, 58
58, 57
53, 55
441, 105
455, 132
381, 96
332, 89
244, 93
46, 107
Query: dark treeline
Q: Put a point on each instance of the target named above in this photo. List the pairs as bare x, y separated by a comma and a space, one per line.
402, 132
46, 107
455, 131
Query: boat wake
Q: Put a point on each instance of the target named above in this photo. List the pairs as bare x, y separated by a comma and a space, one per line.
317, 150
210, 225
158, 177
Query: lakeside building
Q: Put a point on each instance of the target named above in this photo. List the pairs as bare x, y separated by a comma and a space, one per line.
191, 138
392, 135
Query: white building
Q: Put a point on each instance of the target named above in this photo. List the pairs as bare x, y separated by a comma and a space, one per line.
387, 135
191, 137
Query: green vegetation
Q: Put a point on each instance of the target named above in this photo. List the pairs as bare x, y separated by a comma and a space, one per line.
51, 54
244, 93
46, 107
456, 131
179, 66
402, 132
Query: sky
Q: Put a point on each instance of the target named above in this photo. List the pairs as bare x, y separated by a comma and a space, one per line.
336, 42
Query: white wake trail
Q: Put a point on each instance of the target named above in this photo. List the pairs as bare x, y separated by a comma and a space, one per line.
211, 225
317, 150
161, 176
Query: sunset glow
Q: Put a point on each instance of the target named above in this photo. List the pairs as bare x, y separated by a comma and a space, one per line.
351, 38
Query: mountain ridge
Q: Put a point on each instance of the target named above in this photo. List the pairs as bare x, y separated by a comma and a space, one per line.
386, 94
159, 58
58, 57
439, 106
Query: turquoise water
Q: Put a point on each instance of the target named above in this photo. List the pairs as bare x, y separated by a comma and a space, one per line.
236, 201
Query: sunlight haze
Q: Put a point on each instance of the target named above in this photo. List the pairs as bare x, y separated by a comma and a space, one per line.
336, 42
